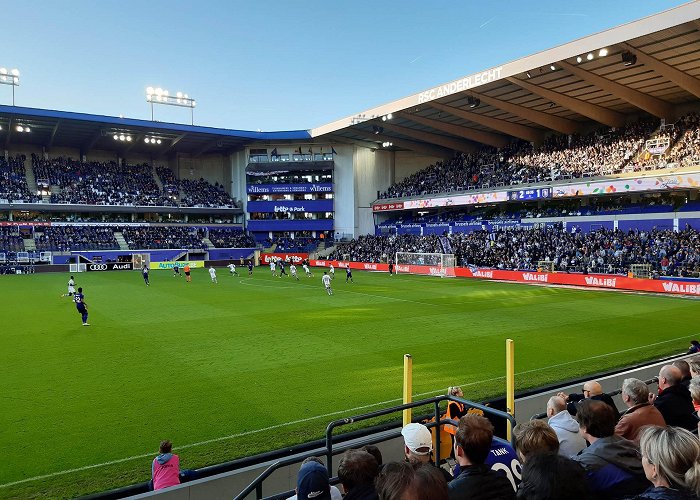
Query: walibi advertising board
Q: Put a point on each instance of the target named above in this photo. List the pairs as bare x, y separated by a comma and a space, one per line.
319, 187
289, 206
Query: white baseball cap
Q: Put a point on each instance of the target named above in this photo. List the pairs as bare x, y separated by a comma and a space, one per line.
416, 437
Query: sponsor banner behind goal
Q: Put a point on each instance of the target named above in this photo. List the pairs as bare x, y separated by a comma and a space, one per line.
615, 282
294, 258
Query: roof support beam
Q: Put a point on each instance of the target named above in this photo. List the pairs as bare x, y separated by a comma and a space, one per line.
652, 105
53, 134
91, 143
206, 147
479, 136
170, 146
683, 80
418, 147
553, 122
514, 129
440, 140
133, 143
593, 111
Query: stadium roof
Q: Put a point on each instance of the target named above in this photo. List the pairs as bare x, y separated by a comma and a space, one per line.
561, 89
87, 132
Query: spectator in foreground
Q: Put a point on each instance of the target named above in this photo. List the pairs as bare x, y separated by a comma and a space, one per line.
312, 482
405, 481
533, 437
565, 427
357, 471
374, 451
165, 470
671, 460
694, 347
684, 367
612, 464
640, 412
591, 390
476, 481
418, 444
553, 477
674, 401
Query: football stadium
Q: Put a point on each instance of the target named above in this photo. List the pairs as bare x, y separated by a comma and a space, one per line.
485, 289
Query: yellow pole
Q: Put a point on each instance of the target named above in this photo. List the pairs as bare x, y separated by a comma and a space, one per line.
510, 381
407, 386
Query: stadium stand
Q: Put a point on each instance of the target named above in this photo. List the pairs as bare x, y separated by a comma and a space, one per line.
668, 252
13, 185
10, 240
230, 238
163, 237
603, 152
67, 238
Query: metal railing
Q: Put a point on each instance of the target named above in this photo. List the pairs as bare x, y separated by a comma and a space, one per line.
257, 484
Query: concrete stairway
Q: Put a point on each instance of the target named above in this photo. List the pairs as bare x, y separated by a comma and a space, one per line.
31, 180
208, 243
123, 245
157, 178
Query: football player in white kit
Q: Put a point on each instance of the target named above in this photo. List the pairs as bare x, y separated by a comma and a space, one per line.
212, 274
327, 283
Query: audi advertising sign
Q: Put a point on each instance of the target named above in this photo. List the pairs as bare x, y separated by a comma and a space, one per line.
111, 266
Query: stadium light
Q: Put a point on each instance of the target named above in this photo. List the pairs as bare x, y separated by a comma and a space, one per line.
23, 129
603, 52
11, 78
579, 59
159, 95
552, 67
122, 137
152, 140
589, 56
387, 144
473, 102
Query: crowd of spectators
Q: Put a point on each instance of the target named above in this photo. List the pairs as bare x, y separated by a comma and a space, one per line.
13, 180
669, 253
231, 238
162, 237
604, 151
11, 240
67, 238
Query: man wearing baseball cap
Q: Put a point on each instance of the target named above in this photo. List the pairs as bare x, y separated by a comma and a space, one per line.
312, 482
418, 445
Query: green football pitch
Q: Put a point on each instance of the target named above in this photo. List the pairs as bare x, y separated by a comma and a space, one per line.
254, 364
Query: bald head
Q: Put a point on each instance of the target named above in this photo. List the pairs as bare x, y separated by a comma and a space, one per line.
592, 388
669, 375
555, 405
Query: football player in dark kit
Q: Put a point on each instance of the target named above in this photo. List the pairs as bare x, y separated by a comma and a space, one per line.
250, 268
144, 271
348, 274
176, 270
81, 306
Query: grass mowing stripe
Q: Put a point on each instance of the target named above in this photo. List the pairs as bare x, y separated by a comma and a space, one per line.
309, 419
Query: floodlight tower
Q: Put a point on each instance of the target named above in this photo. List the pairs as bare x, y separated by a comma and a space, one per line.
11, 78
161, 96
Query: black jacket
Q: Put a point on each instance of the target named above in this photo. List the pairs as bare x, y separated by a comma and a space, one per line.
478, 482
575, 398
362, 492
676, 405
664, 494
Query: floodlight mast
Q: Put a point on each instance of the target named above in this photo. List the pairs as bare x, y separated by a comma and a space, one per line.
162, 96
11, 78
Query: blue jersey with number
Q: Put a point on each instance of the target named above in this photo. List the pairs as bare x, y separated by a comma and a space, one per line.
79, 300
348, 271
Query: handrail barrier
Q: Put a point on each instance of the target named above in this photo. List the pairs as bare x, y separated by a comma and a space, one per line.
257, 484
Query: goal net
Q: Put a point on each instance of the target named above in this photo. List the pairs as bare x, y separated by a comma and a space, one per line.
434, 264
545, 266
138, 260
640, 271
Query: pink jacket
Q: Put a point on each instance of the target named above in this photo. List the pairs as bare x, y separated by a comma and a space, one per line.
166, 471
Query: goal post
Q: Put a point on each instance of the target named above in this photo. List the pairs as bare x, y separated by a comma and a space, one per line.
432, 264
545, 266
640, 271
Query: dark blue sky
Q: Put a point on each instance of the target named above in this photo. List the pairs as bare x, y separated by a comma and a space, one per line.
275, 65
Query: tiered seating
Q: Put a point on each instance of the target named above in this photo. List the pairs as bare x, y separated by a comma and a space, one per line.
603, 152
10, 240
67, 238
13, 180
141, 238
668, 252
230, 238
